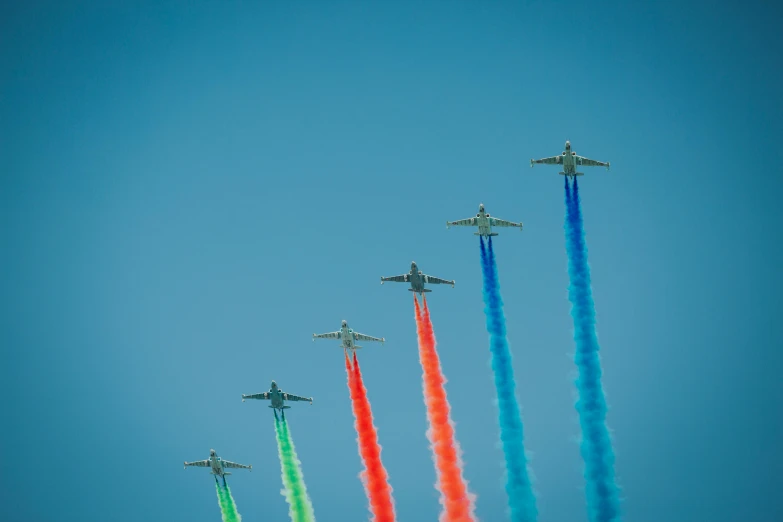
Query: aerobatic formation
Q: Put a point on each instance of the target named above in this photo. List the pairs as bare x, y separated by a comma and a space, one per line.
457, 502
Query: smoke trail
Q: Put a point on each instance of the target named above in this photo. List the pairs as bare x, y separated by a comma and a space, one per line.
596, 445
374, 477
300, 509
457, 502
228, 508
521, 501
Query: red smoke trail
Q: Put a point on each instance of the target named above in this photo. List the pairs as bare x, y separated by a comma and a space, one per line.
374, 476
456, 500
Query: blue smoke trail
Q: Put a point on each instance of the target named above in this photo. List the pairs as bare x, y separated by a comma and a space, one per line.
521, 501
596, 446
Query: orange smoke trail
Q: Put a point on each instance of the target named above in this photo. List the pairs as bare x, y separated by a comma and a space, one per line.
457, 502
374, 476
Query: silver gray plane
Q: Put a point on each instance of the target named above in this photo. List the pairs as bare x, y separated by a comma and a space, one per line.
570, 161
417, 279
277, 398
217, 466
348, 337
484, 222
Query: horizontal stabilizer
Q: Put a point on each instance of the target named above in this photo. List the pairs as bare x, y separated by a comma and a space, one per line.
574, 174
226, 473
412, 290
479, 234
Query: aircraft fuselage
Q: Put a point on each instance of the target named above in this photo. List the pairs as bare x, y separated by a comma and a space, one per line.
276, 398
217, 466
417, 280
569, 161
482, 222
346, 335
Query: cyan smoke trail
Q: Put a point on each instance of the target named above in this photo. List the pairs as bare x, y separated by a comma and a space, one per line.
521, 500
596, 445
228, 508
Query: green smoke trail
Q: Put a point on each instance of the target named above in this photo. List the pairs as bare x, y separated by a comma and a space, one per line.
300, 509
228, 508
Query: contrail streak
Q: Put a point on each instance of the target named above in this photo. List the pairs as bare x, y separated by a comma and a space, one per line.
374, 477
596, 445
457, 502
521, 500
300, 509
228, 508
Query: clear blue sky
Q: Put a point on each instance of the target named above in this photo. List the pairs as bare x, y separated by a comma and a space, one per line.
189, 192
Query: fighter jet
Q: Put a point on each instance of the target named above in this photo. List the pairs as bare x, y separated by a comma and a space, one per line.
278, 397
417, 279
348, 337
484, 222
218, 466
569, 160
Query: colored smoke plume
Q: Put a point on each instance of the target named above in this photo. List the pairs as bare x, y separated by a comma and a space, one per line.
596, 445
374, 477
228, 508
457, 502
300, 509
521, 500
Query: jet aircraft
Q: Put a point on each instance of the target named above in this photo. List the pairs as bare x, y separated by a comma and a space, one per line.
218, 466
569, 160
417, 279
348, 337
484, 222
277, 397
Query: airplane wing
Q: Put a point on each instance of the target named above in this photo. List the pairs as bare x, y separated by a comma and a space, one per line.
362, 337
396, 279
469, 222
292, 397
437, 281
330, 335
261, 396
229, 464
554, 160
200, 463
495, 222
587, 162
